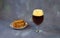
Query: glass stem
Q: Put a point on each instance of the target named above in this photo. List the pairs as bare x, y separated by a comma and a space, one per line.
37, 28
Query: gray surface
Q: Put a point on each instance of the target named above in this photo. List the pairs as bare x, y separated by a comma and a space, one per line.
22, 9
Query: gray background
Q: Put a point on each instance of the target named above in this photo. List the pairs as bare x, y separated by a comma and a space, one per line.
22, 9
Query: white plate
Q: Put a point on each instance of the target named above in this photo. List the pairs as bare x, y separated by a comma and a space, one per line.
26, 24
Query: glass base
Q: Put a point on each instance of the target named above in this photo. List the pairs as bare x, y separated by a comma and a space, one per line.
39, 31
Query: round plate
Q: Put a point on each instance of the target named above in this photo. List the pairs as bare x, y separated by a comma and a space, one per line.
26, 24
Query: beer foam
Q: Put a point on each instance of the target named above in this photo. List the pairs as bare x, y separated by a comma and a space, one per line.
38, 12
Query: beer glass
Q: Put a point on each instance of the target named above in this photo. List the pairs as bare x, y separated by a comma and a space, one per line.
37, 17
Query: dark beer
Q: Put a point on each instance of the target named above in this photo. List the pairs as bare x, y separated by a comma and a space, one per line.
37, 19
38, 16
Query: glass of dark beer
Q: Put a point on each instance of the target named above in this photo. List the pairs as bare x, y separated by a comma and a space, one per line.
37, 18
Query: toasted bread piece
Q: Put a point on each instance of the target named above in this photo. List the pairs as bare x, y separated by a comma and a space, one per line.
18, 24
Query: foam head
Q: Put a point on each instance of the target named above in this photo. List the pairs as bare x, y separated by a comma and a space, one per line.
38, 12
